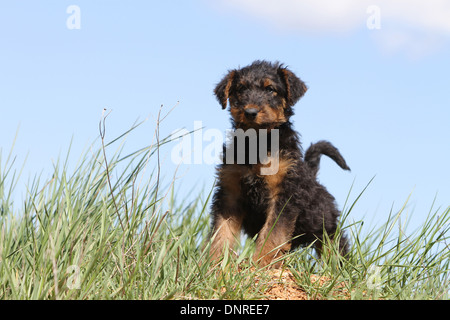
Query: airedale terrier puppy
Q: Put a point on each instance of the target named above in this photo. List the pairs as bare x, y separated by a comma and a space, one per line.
285, 208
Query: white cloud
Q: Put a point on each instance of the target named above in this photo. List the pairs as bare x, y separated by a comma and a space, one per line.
416, 25
309, 15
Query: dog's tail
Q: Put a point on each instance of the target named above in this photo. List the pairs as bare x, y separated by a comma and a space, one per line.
315, 151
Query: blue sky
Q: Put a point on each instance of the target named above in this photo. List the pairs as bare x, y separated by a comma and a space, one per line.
381, 95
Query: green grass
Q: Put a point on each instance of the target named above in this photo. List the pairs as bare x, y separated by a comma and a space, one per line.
112, 229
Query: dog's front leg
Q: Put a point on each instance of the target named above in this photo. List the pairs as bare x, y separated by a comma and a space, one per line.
226, 229
274, 239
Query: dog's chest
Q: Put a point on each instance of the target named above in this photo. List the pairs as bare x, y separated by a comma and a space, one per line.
254, 192
255, 184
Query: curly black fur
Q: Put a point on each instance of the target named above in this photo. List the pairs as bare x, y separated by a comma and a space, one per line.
286, 209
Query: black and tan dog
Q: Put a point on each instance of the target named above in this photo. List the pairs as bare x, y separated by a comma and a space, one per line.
287, 208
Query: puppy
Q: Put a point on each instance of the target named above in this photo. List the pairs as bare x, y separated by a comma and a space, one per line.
285, 207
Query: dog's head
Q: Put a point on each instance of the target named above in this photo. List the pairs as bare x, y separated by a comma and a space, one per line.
261, 95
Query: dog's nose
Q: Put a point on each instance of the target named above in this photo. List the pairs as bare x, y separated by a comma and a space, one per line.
251, 113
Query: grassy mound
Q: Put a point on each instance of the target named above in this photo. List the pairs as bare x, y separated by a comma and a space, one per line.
111, 229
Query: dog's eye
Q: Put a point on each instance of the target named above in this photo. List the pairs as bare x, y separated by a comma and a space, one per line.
270, 89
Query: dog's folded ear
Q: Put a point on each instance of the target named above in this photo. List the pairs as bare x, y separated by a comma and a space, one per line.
295, 88
222, 89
